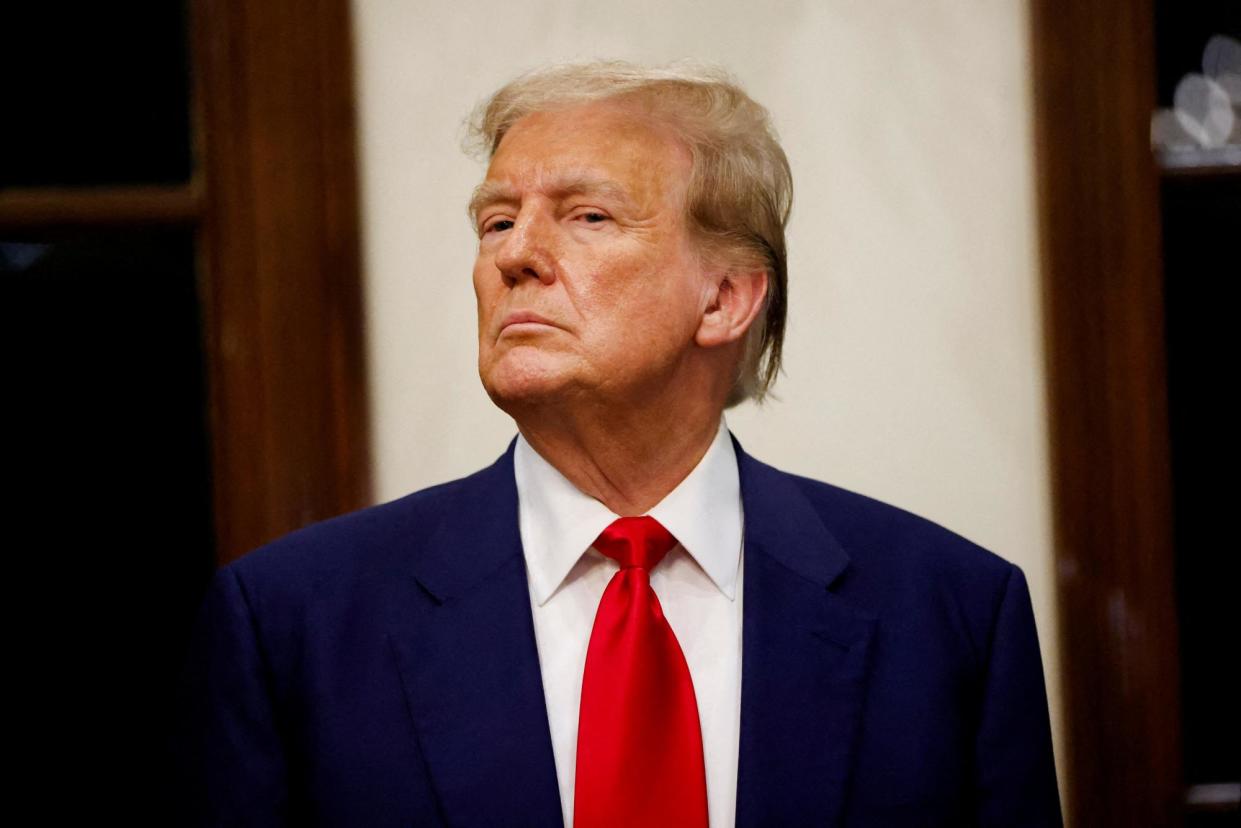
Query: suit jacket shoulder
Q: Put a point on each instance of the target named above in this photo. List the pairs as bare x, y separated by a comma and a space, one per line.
364, 539
928, 705
351, 555
899, 558
321, 676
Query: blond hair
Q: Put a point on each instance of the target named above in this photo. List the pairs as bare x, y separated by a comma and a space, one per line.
740, 189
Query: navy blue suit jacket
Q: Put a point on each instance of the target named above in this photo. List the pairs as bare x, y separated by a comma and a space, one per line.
380, 669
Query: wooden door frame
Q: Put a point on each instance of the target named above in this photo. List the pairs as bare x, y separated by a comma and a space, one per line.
281, 271
1098, 189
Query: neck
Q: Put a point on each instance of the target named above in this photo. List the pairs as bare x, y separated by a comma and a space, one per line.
628, 460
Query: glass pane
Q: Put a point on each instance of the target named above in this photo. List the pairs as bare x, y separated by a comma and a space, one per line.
1199, 223
94, 94
107, 421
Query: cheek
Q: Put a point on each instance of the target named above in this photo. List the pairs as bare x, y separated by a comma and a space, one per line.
644, 323
671, 301
485, 286
480, 267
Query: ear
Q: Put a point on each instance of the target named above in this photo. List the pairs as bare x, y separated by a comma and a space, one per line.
733, 302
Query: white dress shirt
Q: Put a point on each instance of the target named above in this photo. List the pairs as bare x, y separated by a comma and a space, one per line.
698, 584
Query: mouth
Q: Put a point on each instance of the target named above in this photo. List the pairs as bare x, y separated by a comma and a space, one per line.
525, 321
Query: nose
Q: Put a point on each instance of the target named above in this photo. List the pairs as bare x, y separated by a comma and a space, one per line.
526, 251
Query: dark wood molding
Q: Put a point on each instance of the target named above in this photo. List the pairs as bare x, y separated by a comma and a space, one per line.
24, 209
281, 278
1105, 353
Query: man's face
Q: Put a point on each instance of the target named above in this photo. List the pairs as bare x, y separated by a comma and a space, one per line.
587, 284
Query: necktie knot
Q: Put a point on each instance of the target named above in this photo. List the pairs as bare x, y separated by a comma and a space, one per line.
636, 542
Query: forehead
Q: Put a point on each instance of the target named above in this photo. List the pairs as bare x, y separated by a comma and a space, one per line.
602, 148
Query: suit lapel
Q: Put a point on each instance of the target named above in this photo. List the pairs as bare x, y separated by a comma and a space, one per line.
804, 659
470, 666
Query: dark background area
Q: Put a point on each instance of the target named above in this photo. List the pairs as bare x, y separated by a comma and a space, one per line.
104, 343
179, 242
1201, 217
96, 94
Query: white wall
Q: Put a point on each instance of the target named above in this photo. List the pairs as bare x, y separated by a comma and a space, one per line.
913, 358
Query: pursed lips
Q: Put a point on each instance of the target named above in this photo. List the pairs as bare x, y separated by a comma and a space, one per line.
527, 320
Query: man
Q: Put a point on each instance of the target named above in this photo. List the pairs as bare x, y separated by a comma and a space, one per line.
626, 620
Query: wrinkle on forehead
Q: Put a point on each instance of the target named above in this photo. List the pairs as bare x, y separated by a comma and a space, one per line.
555, 184
608, 150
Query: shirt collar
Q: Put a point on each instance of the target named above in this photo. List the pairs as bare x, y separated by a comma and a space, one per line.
559, 522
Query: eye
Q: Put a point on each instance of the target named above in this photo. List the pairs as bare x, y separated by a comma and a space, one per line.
593, 217
502, 224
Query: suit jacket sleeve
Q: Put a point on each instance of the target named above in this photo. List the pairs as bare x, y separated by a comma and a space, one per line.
1016, 774
230, 753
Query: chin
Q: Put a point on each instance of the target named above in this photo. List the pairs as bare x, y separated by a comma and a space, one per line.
516, 379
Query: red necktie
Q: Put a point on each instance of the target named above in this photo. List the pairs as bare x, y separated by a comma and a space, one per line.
639, 743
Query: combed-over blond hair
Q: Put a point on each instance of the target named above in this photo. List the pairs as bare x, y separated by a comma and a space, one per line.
740, 190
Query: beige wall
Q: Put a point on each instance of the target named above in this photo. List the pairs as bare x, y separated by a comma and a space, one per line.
913, 357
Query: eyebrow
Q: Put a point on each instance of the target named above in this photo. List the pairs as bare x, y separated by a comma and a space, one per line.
495, 192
